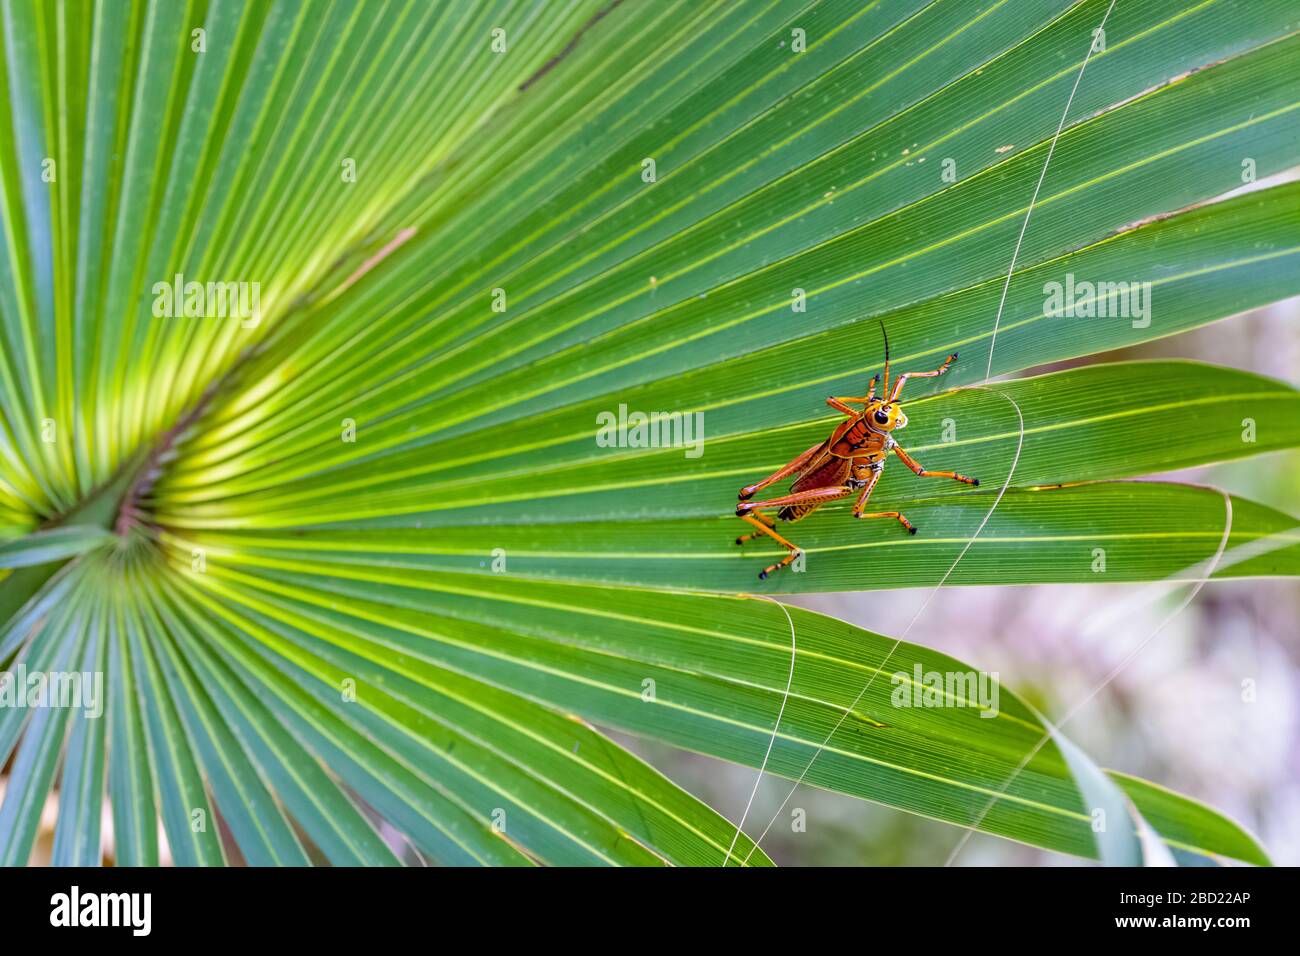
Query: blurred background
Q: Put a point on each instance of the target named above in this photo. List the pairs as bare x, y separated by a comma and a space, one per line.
1176, 714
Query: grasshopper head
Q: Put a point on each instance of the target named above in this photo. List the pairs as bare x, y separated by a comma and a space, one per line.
886, 416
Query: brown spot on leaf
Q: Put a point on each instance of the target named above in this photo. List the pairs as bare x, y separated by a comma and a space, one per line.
555, 61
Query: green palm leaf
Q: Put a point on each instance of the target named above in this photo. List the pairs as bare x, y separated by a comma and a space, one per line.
361, 581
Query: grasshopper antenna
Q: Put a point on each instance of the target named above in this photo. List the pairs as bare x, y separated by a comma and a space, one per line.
885, 389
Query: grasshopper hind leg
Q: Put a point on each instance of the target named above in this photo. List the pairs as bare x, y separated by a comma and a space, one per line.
804, 502
768, 521
767, 527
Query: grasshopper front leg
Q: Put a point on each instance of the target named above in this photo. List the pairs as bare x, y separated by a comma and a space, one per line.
841, 402
898, 386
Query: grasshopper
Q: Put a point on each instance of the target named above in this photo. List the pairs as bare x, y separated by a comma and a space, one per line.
848, 462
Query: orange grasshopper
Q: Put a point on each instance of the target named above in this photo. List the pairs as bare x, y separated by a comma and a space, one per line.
849, 461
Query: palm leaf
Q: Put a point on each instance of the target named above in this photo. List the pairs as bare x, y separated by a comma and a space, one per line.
361, 581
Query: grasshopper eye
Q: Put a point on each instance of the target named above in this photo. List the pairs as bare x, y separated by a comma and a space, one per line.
881, 416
